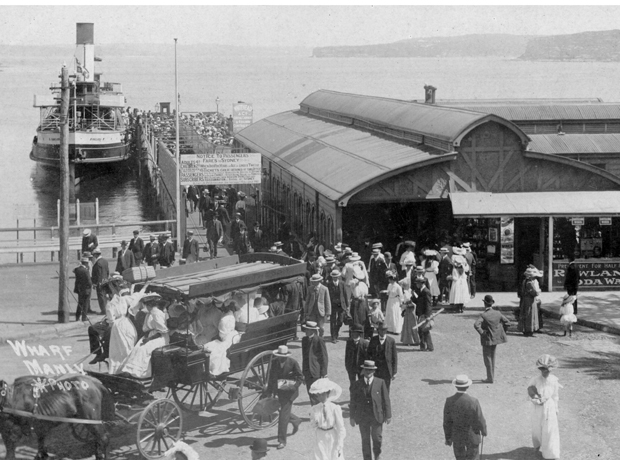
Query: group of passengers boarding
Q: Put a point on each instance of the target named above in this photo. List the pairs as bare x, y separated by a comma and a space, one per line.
137, 323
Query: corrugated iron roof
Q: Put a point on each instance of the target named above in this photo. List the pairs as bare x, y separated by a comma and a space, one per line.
536, 204
443, 123
332, 158
547, 112
520, 101
574, 143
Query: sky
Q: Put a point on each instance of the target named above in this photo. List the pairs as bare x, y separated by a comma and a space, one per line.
281, 25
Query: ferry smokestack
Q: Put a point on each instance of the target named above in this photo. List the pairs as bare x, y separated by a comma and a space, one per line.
85, 51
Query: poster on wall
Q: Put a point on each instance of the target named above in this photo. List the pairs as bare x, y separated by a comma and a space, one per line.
507, 240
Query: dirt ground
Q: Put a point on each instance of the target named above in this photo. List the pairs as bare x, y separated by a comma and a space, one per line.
589, 416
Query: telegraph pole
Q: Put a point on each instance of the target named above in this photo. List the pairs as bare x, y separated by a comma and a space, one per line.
177, 152
63, 230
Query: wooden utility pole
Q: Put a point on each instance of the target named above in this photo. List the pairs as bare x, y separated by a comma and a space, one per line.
63, 230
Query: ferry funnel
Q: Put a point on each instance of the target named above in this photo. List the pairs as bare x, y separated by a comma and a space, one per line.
85, 51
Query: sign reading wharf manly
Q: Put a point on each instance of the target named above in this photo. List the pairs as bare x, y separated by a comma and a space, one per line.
221, 169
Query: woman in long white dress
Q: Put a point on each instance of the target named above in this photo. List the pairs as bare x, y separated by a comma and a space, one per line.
138, 363
431, 269
218, 361
393, 310
326, 421
123, 335
459, 291
543, 391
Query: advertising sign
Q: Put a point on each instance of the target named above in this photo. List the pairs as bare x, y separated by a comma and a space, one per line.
604, 220
593, 275
242, 116
221, 169
507, 239
578, 221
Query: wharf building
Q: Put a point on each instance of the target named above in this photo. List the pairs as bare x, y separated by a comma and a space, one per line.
524, 181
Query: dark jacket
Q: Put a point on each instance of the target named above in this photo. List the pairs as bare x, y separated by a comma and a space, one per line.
89, 243
355, 354
421, 297
337, 295
289, 371
214, 230
376, 272
445, 269
190, 247
101, 271
382, 409
83, 283
236, 227
125, 261
388, 359
136, 245
315, 360
151, 252
166, 254
295, 293
571, 281
463, 422
491, 325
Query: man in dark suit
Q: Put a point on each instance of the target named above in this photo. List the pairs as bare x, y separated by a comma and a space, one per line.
463, 422
472, 261
339, 304
191, 248
355, 353
238, 230
166, 252
370, 408
317, 305
571, 280
100, 275
421, 296
314, 357
136, 245
89, 241
215, 231
445, 270
376, 271
83, 287
151, 252
491, 325
125, 258
382, 350
284, 381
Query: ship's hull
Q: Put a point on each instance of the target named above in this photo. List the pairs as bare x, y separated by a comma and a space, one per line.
84, 148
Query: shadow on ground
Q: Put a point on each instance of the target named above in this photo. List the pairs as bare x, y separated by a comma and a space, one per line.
522, 453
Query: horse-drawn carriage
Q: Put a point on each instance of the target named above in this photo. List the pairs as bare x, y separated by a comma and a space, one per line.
184, 372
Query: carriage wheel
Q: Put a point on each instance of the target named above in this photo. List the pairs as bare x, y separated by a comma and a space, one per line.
82, 433
160, 425
252, 388
196, 397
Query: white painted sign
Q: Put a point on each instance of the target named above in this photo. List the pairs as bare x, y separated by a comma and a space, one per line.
578, 221
221, 169
243, 116
604, 220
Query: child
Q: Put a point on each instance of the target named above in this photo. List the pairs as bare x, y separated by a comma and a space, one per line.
375, 316
568, 317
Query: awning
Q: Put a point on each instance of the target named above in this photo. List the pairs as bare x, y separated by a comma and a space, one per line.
536, 204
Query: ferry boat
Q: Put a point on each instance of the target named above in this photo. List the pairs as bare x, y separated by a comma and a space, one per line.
98, 127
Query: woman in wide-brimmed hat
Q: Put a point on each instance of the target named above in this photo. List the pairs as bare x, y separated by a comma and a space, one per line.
326, 420
396, 297
459, 290
543, 391
431, 270
528, 304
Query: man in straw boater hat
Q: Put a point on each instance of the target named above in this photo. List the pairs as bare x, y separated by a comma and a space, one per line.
314, 356
89, 241
370, 407
339, 303
491, 325
463, 422
317, 305
284, 381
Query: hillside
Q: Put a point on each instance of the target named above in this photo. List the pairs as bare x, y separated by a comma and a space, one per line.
586, 46
477, 45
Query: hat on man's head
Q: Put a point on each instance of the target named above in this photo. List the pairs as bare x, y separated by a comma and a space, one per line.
338, 246
376, 251
85, 260
135, 232
382, 327
461, 381
241, 194
87, 254
152, 236
311, 325
354, 257
190, 232
316, 278
259, 445
330, 259
86, 232
357, 328
369, 364
282, 351
377, 245
387, 254
444, 249
348, 250
488, 299
335, 274
123, 243
419, 269
96, 251
278, 244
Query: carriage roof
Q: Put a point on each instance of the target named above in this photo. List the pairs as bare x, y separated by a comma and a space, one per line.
225, 274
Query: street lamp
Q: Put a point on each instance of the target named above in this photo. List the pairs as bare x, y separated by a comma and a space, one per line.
217, 105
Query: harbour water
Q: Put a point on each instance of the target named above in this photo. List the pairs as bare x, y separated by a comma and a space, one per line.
272, 81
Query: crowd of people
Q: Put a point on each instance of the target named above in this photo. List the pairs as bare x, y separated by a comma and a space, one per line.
213, 128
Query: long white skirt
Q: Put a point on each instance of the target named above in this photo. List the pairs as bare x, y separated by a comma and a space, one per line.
138, 363
432, 280
459, 291
326, 445
545, 429
122, 340
393, 318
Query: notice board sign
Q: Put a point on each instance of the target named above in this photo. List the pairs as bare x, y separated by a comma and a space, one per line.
595, 275
243, 116
221, 169
507, 239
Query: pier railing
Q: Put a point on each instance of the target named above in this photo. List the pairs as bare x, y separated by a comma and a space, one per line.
22, 240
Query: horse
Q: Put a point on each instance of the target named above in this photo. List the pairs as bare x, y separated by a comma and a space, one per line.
70, 396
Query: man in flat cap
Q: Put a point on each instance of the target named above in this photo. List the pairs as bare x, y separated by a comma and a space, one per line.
190, 248
463, 422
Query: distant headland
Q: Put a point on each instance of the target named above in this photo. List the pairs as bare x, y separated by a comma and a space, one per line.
585, 46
